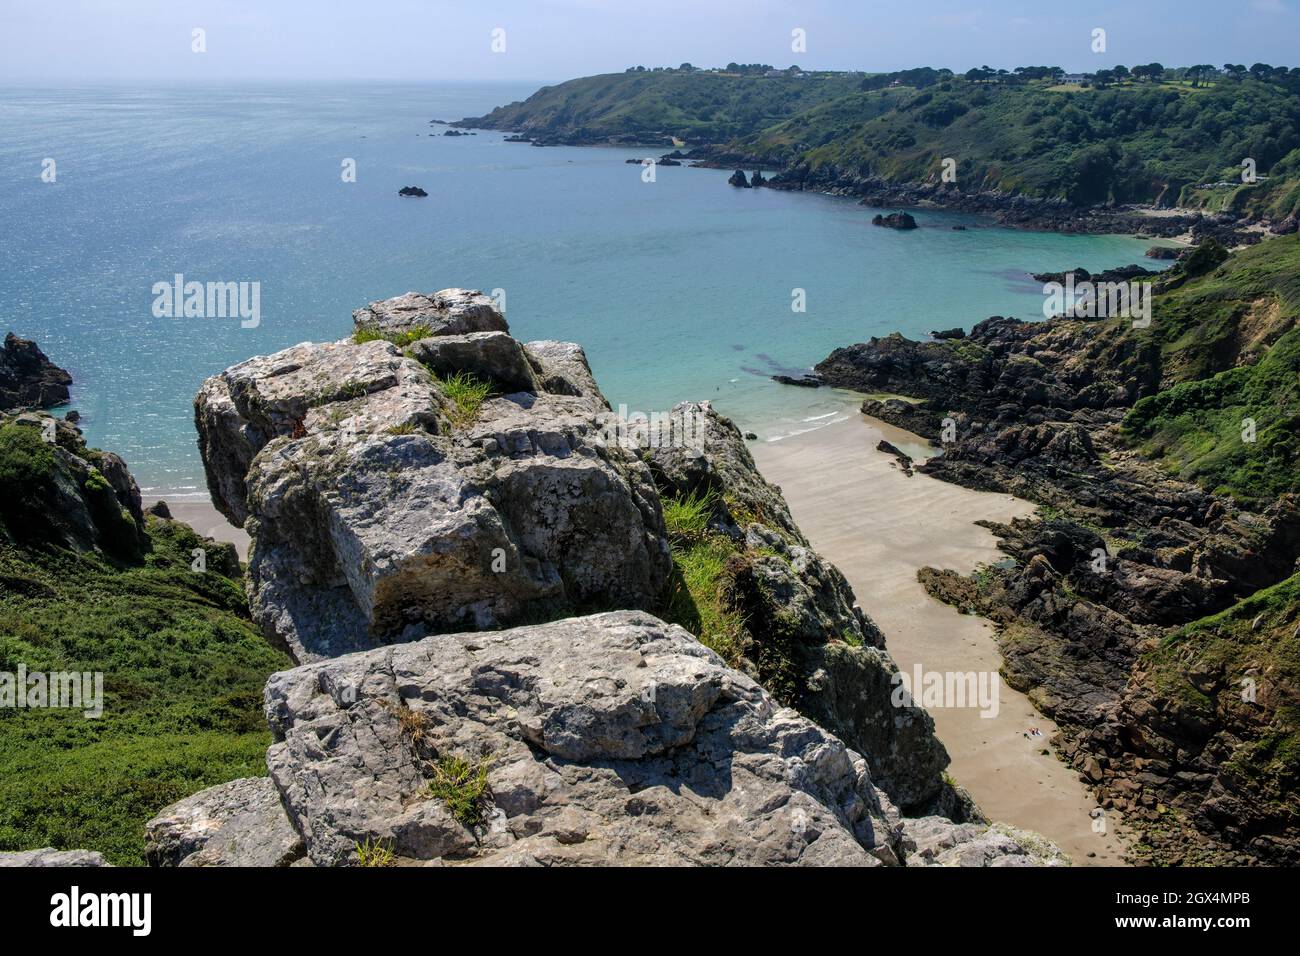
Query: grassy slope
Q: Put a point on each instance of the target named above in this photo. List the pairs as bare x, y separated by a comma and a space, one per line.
183, 675
1231, 351
695, 107
1132, 142
1125, 143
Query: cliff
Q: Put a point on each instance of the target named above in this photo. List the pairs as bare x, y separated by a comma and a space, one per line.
1150, 606
527, 634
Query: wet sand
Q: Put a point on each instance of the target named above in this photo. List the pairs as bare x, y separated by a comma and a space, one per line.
207, 521
879, 527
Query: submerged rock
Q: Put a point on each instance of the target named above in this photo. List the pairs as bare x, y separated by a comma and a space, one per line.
895, 220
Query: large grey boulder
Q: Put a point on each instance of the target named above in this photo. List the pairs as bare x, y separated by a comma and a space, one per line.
380, 510
240, 823
492, 357
449, 312
608, 739
52, 857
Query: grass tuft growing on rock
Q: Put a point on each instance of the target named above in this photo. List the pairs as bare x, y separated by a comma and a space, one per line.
463, 786
375, 854
465, 395
400, 339
687, 517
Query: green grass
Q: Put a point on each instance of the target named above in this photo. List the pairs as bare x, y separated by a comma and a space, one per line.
373, 853
697, 598
1229, 341
465, 394
400, 339
687, 516
183, 674
463, 786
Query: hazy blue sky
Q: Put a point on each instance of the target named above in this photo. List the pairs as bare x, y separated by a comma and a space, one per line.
556, 39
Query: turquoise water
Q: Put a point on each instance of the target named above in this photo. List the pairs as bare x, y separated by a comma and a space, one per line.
678, 289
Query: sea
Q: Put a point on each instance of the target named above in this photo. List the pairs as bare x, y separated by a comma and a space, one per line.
679, 286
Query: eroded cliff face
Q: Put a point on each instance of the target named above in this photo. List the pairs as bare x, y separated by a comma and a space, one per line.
419, 497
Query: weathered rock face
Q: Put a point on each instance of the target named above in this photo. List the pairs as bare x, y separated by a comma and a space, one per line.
380, 509
805, 639
27, 378
611, 739
52, 857
449, 312
240, 823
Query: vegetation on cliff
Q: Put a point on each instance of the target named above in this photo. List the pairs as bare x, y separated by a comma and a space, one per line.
1230, 353
1137, 136
183, 670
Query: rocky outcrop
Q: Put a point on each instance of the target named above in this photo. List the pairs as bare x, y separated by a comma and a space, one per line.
738, 179
52, 857
449, 312
28, 379
412, 191
380, 506
57, 491
611, 739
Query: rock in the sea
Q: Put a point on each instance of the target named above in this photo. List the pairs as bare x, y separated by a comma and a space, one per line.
803, 381
240, 823
957, 333
757, 179
415, 191
28, 379
738, 179
380, 508
895, 220
52, 857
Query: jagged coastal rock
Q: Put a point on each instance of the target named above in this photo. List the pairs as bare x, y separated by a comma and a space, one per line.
1119, 603
404, 543
378, 508
28, 379
612, 739
412, 191
738, 179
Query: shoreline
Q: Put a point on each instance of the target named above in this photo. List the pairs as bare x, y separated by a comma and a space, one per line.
879, 527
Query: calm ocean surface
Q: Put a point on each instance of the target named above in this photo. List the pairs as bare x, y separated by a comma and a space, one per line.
678, 289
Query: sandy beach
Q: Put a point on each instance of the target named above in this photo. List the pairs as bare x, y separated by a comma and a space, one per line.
200, 515
879, 527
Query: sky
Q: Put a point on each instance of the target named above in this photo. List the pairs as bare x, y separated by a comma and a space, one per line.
547, 40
